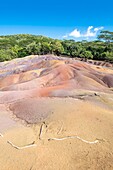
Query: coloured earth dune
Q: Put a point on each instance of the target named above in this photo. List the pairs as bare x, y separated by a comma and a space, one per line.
56, 113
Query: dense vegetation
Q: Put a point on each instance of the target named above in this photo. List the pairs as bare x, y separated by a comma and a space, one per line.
17, 46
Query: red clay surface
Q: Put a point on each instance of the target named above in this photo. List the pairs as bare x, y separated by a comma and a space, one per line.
47, 76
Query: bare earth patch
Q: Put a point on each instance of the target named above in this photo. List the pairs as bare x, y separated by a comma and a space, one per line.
55, 113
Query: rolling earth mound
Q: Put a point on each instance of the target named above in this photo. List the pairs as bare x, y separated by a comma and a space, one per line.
49, 73
48, 76
63, 107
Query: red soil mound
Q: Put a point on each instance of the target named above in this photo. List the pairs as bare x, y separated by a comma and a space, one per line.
51, 73
47, 76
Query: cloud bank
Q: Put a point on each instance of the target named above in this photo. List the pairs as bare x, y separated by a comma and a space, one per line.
90, 32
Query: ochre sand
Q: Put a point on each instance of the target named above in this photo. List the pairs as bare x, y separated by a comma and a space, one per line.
55, 105
70, 117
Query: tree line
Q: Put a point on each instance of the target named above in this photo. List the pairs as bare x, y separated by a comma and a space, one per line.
21, 45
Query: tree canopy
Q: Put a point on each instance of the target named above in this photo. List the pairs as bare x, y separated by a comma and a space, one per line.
21, 45
106, 36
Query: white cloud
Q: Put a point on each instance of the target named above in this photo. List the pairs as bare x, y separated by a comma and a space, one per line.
90, 32
98, 29
75, 34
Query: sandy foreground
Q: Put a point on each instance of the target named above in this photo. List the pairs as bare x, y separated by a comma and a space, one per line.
90, 119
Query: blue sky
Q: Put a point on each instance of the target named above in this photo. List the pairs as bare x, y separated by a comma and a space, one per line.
81, 19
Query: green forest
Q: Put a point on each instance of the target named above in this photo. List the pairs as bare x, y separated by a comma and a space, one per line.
21, 45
